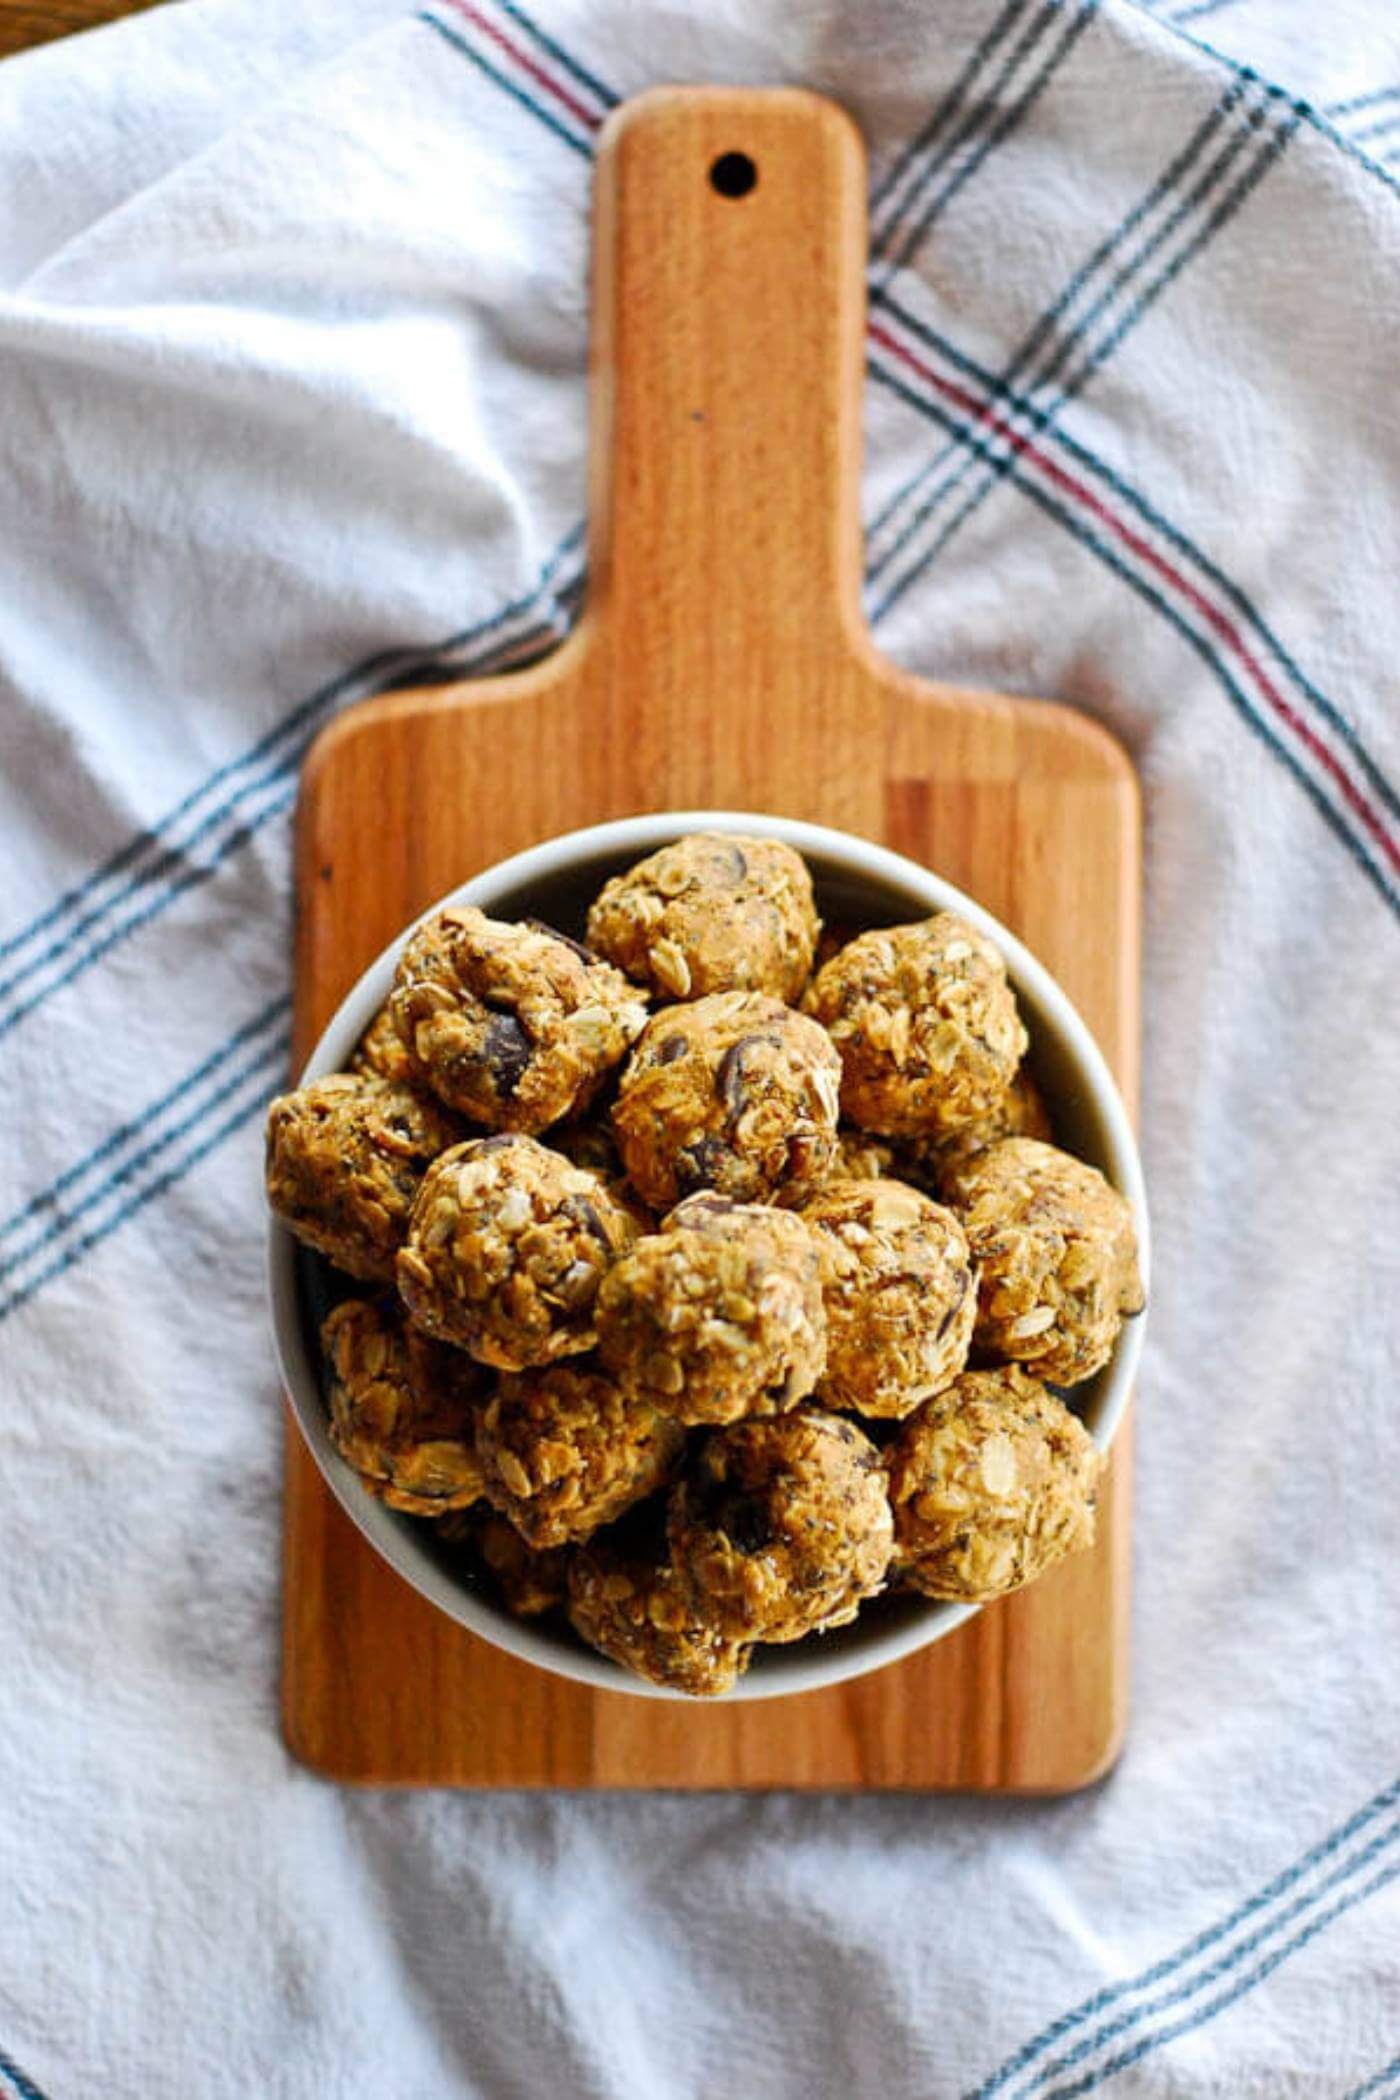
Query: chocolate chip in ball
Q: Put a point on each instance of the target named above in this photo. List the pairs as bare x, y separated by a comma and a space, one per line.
507, 1051
730, 1083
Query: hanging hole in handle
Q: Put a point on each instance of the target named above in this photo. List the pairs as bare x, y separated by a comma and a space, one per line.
733, 175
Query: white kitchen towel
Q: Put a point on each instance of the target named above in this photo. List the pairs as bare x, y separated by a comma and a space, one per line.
292, 335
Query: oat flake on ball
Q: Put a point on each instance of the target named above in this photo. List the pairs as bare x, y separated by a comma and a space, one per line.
861, 1157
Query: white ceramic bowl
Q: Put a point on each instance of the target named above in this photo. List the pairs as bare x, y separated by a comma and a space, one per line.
857, 885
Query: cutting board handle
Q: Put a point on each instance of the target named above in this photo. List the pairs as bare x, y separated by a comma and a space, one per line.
727, 365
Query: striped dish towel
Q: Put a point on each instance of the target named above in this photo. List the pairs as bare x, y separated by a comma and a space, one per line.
292, 324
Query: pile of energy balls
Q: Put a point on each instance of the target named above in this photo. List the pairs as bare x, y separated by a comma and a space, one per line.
716, 1277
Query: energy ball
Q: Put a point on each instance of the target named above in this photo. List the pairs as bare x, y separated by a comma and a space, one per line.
507, 1246
1021, 1112
783, 1527
631, 1608
991, 1482
345, 1159
565, 1451
515, 1026
711, 913
530, 1582
926, 1025
718, 1315
735, 1092
899, 1291
403, 1410
382, 1052
1056, 1254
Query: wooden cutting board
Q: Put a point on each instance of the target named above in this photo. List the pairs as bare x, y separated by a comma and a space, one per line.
26, 22
722, 662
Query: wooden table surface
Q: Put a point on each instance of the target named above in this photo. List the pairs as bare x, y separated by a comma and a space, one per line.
25, 22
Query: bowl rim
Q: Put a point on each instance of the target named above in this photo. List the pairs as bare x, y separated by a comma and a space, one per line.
388, 1533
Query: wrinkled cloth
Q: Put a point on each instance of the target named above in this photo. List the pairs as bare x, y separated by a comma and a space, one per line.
292, 400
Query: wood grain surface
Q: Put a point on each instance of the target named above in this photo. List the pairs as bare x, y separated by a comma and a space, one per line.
26, 22
722, 661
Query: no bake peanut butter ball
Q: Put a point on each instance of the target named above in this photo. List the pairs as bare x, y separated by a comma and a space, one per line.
899, 1292
506, 1249
513, 1026
711, 913
346, 1157
529, 1580
1056, 1254
403, 1409
926, 1025
631, 1606
991, 1482
565, 1451
718, 1315
382, 1052
734, 1092
782, 1527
